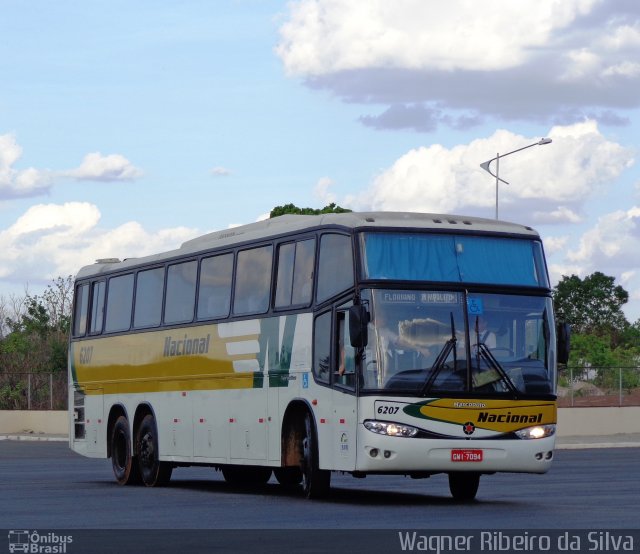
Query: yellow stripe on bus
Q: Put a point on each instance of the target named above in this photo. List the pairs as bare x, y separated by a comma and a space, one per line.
194, 358
495, 415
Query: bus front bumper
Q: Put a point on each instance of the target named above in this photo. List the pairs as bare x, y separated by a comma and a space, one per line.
385, 454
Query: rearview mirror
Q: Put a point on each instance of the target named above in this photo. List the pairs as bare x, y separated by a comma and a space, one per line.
358, 321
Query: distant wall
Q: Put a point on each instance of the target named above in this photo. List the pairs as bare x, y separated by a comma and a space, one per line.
571, 421
598, 421
35, 421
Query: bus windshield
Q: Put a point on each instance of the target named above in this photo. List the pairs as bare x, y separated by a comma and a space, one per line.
433, 342
453, 258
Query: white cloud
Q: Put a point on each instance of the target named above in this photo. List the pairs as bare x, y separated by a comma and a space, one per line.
558, 270
51, 240
610, 247
21, 183
560, 215
548, 184
321, 190
554, 245
220, 171
580, 64
420, 61
607, 244
325, 36
16, 183
624, 69
96, 167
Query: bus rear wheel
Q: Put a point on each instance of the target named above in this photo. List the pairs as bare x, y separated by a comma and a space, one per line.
464, 485
125, 468
154, 473
315, 481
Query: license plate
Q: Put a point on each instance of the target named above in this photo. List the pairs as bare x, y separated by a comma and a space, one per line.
466, 455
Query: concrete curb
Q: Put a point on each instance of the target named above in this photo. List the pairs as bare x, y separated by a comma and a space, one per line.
582, 446
35, 438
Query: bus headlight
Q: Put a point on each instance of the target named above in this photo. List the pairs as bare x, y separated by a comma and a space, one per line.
390, 429
537, 432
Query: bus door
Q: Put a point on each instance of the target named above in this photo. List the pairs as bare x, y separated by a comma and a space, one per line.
344, 404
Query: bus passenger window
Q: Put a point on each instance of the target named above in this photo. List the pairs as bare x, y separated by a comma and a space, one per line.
303, 273
253, 281
335, 266
148, 305
322, 347
214, 296
80, 315
284, 283
97, 307
181, 292
119, 303
295, 273
345, 363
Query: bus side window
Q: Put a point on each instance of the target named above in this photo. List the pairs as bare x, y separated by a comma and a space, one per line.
284, 281
344, 373
119, 303
253, 281
303, 273
181, 292
81, 307
335, 265
214, 296
148, 304
322, 347
97, 307
295, 273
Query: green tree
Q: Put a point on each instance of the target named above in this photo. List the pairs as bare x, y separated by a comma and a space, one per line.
293, 209
592, 305
37, 338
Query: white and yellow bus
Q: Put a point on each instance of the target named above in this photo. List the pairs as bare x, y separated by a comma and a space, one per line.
365, 343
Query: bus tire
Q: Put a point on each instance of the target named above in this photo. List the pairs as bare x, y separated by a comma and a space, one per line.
154, 473
288, 476
315, 481
125, 468
464, 485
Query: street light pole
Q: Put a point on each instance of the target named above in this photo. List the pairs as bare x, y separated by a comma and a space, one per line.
485, 165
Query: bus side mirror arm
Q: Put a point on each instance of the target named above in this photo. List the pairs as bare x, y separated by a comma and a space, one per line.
358, 321
564, 342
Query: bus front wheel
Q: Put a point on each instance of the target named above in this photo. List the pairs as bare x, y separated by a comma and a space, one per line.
123, 463
153, 472
315, 481
464, 485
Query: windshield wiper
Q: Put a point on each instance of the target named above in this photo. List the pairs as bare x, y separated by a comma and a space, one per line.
483, 352
437, 366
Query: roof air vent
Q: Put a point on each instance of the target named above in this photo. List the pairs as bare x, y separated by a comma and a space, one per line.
108, 261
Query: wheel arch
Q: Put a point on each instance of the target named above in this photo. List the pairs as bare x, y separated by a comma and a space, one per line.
293, 430
115, 412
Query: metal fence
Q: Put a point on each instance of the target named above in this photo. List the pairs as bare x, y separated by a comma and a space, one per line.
577, 387
33, 391
598, 386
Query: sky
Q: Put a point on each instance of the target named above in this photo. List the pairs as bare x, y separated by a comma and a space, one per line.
127, 128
